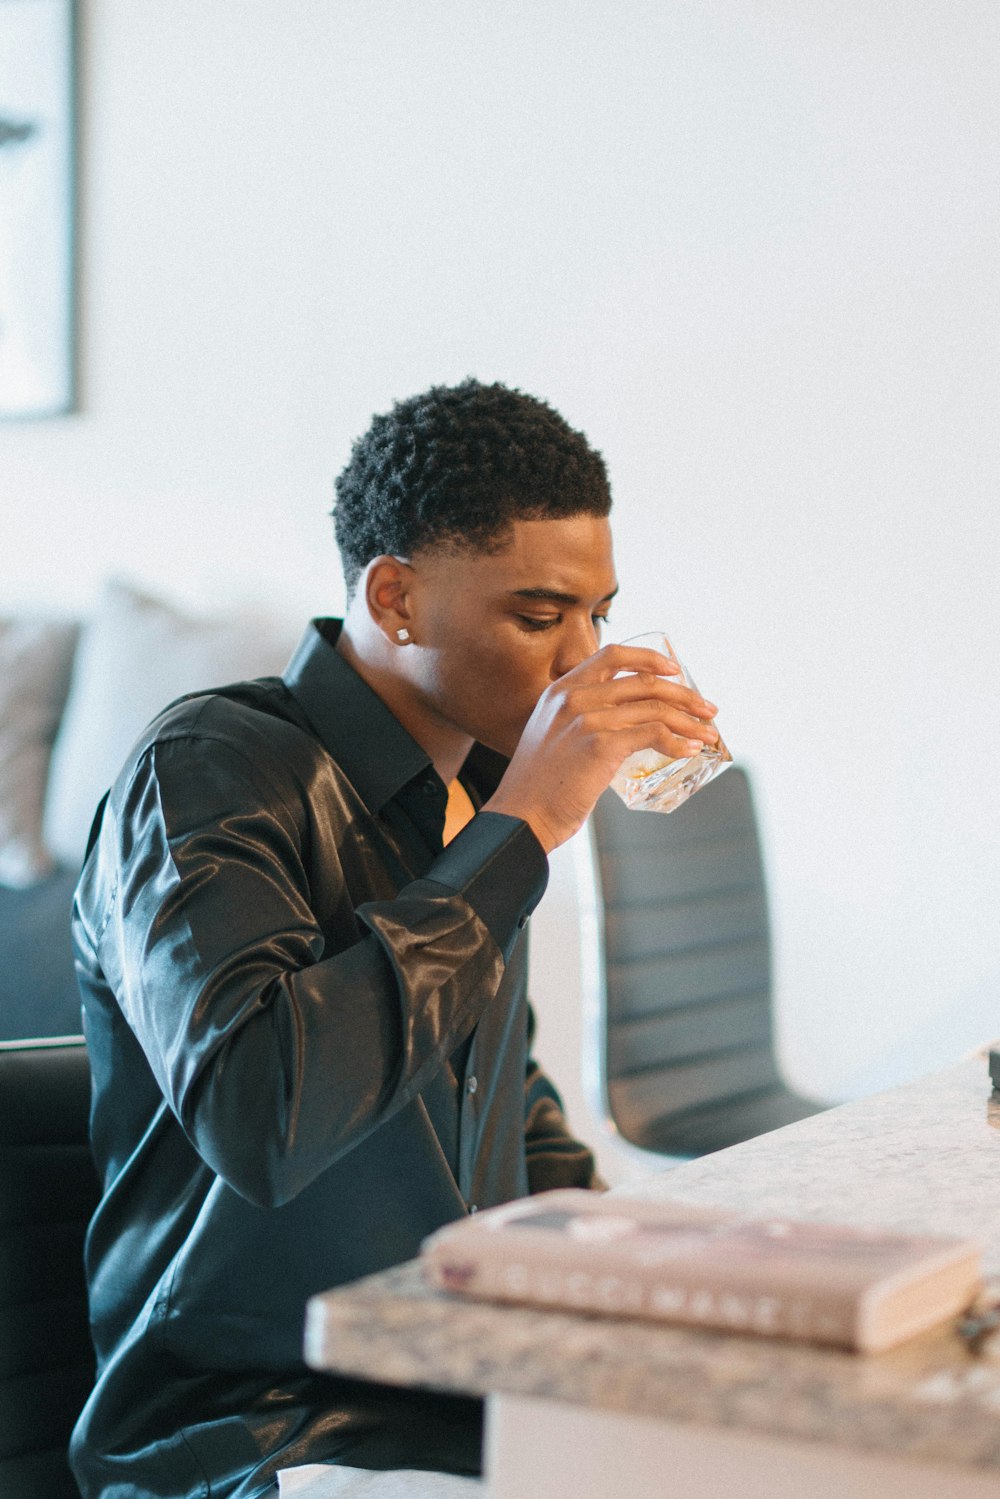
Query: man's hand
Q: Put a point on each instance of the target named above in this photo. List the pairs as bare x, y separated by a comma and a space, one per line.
585, 725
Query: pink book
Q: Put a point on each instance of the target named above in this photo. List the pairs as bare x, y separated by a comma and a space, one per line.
860, 1288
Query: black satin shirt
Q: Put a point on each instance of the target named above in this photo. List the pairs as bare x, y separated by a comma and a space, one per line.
309, 1034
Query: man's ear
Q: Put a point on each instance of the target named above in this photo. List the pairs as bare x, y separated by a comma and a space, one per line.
388, 581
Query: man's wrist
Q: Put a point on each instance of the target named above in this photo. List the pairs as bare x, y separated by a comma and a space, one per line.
535, 819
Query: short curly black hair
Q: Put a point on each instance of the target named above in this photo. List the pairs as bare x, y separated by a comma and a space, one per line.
455, 467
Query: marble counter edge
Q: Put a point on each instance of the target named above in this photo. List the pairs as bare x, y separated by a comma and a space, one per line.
935, 1168
928, 1400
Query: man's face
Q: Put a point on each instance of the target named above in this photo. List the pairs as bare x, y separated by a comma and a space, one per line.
493, 631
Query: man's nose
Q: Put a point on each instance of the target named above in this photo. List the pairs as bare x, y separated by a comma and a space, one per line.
579, 640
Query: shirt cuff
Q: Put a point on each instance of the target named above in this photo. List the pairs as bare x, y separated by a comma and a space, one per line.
499, 867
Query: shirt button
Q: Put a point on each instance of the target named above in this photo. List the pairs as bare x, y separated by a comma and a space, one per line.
473, 1207
428, 788
472, 1084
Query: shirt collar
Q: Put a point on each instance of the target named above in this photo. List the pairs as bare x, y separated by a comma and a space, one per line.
352, 722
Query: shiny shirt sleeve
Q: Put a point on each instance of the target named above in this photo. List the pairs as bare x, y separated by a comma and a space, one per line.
276, 1056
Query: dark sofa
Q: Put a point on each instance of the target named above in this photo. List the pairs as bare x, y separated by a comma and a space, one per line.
73, 696
38, 992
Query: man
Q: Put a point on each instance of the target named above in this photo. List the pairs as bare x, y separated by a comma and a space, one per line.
300, 939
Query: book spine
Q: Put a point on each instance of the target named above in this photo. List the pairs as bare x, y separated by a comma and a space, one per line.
766, 1313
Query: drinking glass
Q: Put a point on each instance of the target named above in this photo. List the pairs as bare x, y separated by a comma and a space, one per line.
650, 782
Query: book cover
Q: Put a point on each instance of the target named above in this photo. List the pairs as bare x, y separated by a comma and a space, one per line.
860, 1288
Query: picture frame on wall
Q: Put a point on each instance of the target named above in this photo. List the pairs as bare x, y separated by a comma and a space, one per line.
37, 209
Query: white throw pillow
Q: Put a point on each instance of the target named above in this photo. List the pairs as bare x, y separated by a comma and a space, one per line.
135, 656
36, 657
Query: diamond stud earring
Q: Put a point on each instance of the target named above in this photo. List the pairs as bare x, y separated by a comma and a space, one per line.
402, 636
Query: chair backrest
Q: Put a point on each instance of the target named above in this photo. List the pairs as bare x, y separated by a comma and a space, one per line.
48, 1190
686, 955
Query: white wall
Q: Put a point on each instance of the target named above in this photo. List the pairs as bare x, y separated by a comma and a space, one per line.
748, 245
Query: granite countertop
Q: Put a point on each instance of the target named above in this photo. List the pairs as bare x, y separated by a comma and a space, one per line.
924, 1156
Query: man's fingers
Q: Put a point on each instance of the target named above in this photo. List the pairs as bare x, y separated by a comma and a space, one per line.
611, 659
641, 687
585, 724
622, 740
652, 718
680, 746
627, 671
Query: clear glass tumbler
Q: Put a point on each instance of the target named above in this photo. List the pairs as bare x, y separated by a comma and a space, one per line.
650, 782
